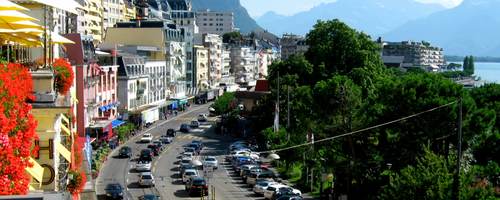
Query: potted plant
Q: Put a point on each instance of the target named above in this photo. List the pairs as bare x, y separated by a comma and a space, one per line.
64, 75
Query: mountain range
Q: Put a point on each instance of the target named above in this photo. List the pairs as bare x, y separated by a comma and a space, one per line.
374, 17
472, 28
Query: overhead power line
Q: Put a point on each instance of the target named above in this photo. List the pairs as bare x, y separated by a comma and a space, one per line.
361, 130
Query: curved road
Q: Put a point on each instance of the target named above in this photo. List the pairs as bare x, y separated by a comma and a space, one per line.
169, 186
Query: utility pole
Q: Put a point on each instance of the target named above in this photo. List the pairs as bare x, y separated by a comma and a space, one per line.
288, 108
456, 181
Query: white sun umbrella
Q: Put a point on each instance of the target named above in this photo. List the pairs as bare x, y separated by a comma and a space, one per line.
196, 163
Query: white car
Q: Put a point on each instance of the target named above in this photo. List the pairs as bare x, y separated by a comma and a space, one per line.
261, 186
210, 161
202, 118
143, 165
146, 179
187, 155
188, 174
270, 190
147, 137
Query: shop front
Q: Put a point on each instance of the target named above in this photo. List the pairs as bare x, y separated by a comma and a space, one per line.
179, 104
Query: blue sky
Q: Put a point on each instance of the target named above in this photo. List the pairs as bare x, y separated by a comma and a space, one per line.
257, 8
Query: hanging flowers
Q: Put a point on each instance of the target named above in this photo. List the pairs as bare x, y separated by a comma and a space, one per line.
17, 128
76, 181
64, 75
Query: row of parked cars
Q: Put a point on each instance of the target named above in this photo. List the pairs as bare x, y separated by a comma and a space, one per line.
259, 175
188, 169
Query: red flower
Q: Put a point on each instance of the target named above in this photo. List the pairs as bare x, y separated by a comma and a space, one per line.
64, 75
17, 128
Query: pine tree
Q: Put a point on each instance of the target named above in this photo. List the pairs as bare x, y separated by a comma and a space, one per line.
471, 65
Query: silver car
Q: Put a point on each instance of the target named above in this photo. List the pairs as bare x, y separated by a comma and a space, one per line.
211, 161
146, 179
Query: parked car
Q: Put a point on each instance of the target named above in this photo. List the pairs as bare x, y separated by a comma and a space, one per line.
146, 179
187, 154
247, 168
146, 138
198, 142
264, 175
196, 147
146, 155
170, 132
261, 186
159, 144
185, 128
166, 139
289, 197
125, 152
269, 192
202, 118
114, 191
210, 161
155, 149
246, 172
185, 161
184, 167
143, 165
195, 124
190, 149
285, 191
188, 173
149, 197
197, 185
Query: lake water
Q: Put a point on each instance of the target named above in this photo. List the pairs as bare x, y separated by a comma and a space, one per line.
488, 72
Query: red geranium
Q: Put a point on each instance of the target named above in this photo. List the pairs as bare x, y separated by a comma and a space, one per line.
17, 128
64, 75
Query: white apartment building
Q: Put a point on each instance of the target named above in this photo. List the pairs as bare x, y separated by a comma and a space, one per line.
185, 19
176, 62
244, 64
213, 22
112, 12
213, 43
201, 67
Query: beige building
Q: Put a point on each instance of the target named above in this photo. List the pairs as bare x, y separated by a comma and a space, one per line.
292, 45
112, 12
93, 19
201, 66
213, 43
213, 22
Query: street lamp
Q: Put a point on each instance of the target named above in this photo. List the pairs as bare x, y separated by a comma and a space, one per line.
273, 156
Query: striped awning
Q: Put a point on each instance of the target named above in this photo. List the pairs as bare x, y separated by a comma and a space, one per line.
192, 91
61, 149
36, 171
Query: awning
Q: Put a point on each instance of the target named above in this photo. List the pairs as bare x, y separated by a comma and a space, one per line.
100, 124
14, 16
65, 130
19, 25
116, 123
61, 149
7, 5
66, 5
36, 171
59, 39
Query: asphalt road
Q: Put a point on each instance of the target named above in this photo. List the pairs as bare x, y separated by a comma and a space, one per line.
227, 185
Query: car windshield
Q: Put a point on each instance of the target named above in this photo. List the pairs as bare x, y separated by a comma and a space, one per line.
210, 159
147, 177
263, 184
190, 173
199, 182
113, 187
185, 161
271, 188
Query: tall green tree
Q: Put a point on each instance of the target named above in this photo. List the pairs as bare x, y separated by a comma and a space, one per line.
466, 64
471, 65
225, 103
334, 48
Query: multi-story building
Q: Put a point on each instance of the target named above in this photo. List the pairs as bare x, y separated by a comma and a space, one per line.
184, 18
416, 54
112, 12
213, 43
93, 19
128, 10
213, 22
291, 45
154, 34
244, 64
56, 130
226, 61
201, 67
